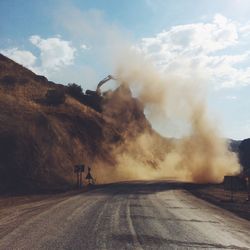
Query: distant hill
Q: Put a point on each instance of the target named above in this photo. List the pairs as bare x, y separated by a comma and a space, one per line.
242, 148
45, 130
244, 155
234, 145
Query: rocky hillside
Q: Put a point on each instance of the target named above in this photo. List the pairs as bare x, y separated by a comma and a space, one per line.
45, 129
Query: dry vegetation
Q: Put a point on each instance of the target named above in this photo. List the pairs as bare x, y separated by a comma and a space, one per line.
40, 143
47, 128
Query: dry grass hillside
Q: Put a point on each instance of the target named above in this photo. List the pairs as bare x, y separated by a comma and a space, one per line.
40, 143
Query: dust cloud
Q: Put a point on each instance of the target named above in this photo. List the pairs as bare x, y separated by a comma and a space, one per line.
200, 155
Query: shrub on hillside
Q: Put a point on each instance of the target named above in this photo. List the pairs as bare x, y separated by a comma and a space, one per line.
75, 90
8, 81
40, 78
55, 97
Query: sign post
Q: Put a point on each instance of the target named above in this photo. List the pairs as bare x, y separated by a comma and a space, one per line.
78, 169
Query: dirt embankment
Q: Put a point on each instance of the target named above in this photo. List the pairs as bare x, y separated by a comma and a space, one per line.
40, 143
47, 128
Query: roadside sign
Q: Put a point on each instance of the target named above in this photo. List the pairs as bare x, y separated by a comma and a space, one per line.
78, 168
81, 168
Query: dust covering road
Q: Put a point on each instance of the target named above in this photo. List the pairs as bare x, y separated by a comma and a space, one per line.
140, 215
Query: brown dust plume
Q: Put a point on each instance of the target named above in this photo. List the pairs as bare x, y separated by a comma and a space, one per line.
200, 155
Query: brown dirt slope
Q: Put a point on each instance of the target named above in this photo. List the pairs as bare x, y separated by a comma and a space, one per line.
40, 144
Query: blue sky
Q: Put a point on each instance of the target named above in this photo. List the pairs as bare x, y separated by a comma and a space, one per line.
72, 41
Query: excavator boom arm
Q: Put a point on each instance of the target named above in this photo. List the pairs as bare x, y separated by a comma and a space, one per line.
109, 77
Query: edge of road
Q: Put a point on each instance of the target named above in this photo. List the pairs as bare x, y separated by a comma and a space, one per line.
238, 207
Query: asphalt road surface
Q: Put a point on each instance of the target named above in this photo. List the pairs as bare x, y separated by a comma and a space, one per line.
127, 216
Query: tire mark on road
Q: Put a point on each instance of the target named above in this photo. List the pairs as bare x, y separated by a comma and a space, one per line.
136, 242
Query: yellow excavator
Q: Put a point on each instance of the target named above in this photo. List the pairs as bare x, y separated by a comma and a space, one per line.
94, 99
98, 91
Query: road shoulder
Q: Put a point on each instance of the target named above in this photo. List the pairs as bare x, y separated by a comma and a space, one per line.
216, 195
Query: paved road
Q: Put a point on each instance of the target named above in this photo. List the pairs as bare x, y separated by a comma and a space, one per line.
131, 216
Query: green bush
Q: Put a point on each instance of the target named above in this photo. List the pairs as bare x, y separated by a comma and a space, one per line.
75, 91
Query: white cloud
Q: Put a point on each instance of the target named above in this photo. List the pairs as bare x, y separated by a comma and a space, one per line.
212, 48
198, 37
23, 57
55, 53
84, 47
